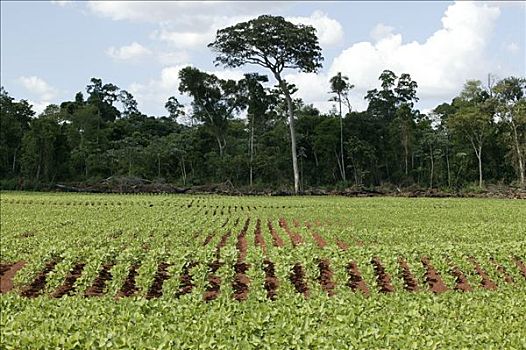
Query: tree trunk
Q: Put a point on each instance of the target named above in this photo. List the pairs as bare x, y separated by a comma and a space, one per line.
288, 98
251, 149
183, 171
158, 165
448, 169
341, 139
14, 160
432, 167
519, 154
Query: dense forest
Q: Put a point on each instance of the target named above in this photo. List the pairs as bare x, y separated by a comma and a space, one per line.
240, 131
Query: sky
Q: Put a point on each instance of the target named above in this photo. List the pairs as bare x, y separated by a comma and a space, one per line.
51, 50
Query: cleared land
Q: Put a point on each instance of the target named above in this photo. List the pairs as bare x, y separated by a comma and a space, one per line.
208, 271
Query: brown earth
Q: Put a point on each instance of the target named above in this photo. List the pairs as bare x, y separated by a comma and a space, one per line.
433, 278
276, 239
382, 277
502, 271
68, 287
485, 282
7, 273
410, 282
326, 277
186, 283
297, 277
271, 282
39, 283
156, 289
129, 288
97, 288
461, 282
258, 238
356, 281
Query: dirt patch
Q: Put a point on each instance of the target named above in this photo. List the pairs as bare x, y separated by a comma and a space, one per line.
186, 283
241, 281
156, 289
356, 281
7, 273
432, 277
68, 287
208, 238
271, 281
27, 234
326, 277
276, 239
214, 282
98, 286
297, 277
521, 266
382, 277
461, 282
410, 282
342, 245
295, 238
485, 282
318, 239
258, 238
129, 288
39, 283
502, 271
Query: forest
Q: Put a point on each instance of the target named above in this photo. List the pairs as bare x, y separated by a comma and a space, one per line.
243, 132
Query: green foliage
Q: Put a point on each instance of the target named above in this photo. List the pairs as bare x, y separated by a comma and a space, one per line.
149, 229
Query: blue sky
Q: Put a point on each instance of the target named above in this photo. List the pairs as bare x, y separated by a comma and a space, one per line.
50, 50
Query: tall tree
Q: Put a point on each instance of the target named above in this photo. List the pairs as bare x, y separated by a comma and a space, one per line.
214, 101
275, 44
341, 87
14, 122
259, 104
473, 119
511, 108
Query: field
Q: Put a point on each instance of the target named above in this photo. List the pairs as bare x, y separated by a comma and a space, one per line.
165, 271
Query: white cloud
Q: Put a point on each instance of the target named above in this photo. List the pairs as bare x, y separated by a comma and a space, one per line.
189, 14
38, 87
173, 57
153, 95
512, 47
440, 65
381, 31
329, 31
134, 51
61, 3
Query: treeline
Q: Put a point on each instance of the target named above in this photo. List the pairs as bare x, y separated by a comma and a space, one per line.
237, 131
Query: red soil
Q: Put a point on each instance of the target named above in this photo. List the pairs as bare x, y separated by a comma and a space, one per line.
356, 281
129, 288
432, 277
486, 282
271, 282
156, 289
342, 245
241, 281
461, 282
320, 242
7, 273
258, 239
326, 277
297, 277
186, 281
39, 283
410, 282
382, 277
502, 271
521, 266
295, 238
97, 288
276, 239
214, 282
68, 287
